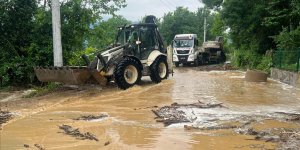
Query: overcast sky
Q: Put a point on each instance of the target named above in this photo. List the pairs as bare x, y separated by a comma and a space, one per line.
136, 9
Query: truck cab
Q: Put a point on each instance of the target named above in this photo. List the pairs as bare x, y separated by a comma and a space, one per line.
185, 49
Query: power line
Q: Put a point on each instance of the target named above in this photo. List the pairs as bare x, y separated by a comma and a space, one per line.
166, 4
172, 3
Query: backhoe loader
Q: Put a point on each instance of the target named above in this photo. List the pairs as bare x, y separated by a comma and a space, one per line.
138, 51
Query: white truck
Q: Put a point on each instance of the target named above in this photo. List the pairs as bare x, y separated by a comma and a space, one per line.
185, 49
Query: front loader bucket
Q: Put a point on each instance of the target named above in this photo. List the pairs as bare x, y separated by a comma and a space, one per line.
66, 75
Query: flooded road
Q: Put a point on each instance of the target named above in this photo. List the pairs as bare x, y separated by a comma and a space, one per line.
131, 125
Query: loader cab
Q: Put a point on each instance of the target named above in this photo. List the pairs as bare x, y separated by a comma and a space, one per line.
142, 39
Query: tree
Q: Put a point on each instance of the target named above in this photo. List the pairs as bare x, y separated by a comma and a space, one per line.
182, 21
213, 4
218, 27
16, 27
103, 33
26, 38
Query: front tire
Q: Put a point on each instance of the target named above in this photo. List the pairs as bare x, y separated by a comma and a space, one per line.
176, 64
159, 70
127, 73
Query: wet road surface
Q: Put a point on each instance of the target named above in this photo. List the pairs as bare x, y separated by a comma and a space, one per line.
131, 124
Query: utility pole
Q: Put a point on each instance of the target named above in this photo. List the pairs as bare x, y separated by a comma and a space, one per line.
204, 36
56, 27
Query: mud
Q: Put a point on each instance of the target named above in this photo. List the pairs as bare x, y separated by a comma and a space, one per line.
131, 124
216, 67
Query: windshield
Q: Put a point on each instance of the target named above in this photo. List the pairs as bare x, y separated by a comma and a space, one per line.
123, 36
183, 43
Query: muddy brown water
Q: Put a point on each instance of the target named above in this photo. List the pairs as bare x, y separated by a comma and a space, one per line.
131, 124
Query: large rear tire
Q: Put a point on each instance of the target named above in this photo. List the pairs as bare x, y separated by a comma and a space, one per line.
127, 73
159, 70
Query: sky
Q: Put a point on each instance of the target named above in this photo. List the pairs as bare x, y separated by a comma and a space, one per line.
136, 9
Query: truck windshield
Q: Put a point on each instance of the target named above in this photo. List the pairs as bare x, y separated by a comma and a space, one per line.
183, 43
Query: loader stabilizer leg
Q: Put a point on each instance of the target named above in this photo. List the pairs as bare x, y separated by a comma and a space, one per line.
86, 59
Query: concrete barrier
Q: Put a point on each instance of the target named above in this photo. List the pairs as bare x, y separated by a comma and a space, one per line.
288, 77
256, 76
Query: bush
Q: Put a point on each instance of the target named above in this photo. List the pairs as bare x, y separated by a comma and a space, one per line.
76, 60
246, 59
265, 64
18, 70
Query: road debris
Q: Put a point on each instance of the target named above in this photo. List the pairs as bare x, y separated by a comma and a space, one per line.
39, 147
291, 116
92, 117
286, 138
145, 107
106, 143
198, 105
4, 117
26, 145
211, 128
171, 114
77, 134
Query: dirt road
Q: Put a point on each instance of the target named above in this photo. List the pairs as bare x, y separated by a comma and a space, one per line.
68, 119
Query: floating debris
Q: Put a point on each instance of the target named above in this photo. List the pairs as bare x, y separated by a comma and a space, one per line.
291, 116
76, 133
39, 147
172, 114
92, 117
106, 143
26, 145
146, 107
198, 105
287, 139
211, 128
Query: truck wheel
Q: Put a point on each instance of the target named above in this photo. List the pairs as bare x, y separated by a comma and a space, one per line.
223, 57
196, 62
127, 73
159, 70
176, 64
201, 61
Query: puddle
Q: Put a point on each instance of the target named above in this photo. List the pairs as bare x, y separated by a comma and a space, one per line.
131, 123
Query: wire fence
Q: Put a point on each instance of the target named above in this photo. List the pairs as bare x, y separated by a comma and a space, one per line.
287, 60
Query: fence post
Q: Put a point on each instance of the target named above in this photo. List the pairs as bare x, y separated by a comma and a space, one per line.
280, 58
298, 65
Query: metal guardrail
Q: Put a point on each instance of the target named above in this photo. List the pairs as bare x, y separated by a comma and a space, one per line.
287, 59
